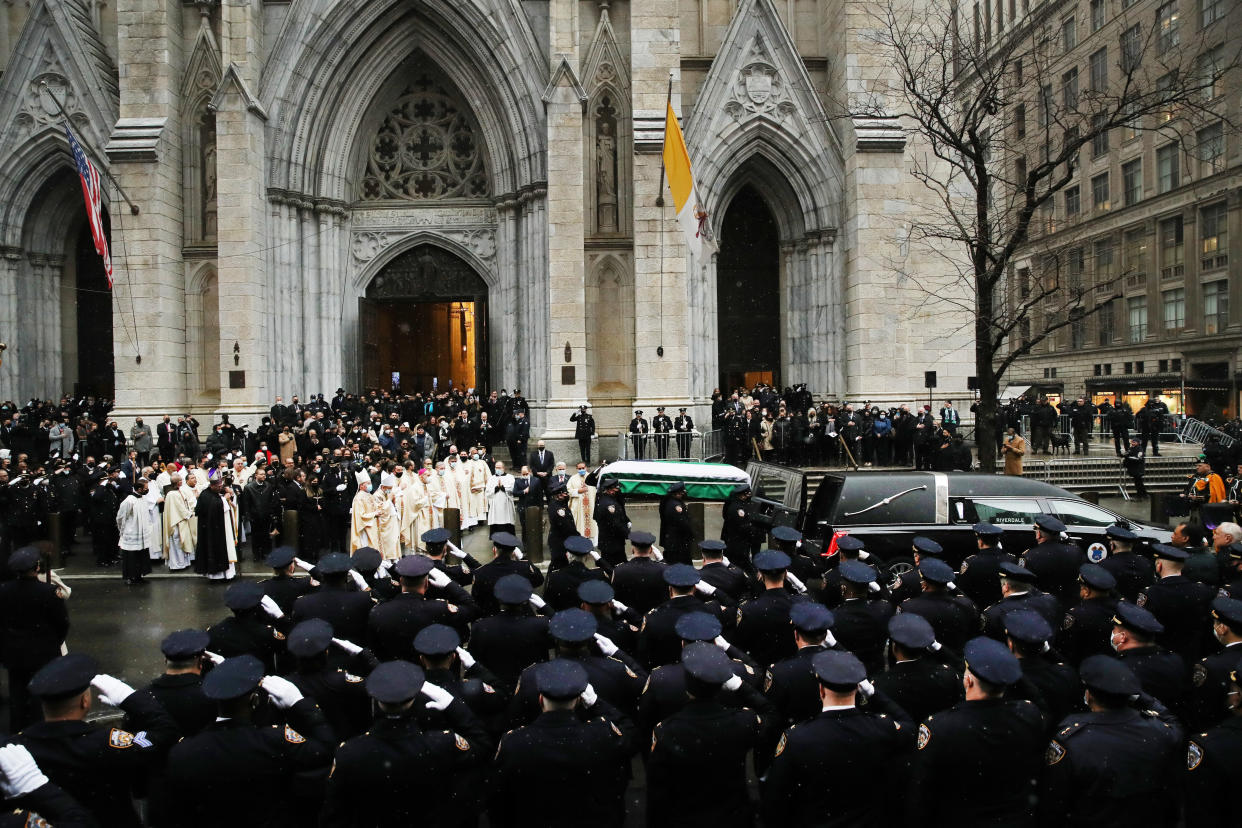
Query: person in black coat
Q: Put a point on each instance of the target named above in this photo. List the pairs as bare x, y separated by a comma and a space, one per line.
729, 579
504, 562
392, 625
979, 577
1212, 762
561, 591
913, 678
676, 533
560, 524
1133, 572
284, 587
658, 641
953, 616
1183, 606
1018, 592
1054, 563
613, 522
639, 582
261, 505
1086, 627
515, 637
336, 601
762, 627
1163, 674
33, 625
1055, 683
101, 510
742, 536
180, 689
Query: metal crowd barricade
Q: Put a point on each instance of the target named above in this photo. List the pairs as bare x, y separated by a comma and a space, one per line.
1196, 431
1105, 473
705, 446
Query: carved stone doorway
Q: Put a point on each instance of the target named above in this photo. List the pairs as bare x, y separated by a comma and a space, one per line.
423, 324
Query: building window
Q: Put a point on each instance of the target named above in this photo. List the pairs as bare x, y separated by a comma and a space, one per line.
1017, 71
1069, 34
1164, 365
1166, 27
1138, 367
1069, 89
1127, 367
1045, 105
1210, 150
1099, 193
1132, 181
1072, 201
1097, 369
1176, 365
1136, 308
1166, 86
1213, 237
1102, 252
1105, 322
1019, 173
1168, 168
1099, 135
1211, 11
1174, 302
1098, 70
1133, 123
1210, 72
1078, 333
1097, 15
1172, 249
1134, 257
1215, 307
1074, 266
1108, 369
1131, 48
1019, 120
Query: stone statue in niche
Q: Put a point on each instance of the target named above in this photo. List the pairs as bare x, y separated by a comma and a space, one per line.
208, 162
606, 168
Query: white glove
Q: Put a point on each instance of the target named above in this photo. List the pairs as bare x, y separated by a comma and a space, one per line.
618, 606
381, 571
724, 559
518, 556
348, 646
936, 646
284, 693
536, 601
440, 698
864, 555
589, 696
866, 688
340, 487
270, 606
356, 577
733, 683
795, 582
439, 578
657, 554
467, 660
594, 553
19, 773
303, 565
830, 640
214, 658
705, 588
720, 642
605, 645
112, 690
455, 552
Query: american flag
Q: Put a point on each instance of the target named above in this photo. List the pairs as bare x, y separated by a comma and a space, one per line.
94, 206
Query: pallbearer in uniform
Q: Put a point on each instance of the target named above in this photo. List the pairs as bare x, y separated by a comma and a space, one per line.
683, 424
638, 435
661, 425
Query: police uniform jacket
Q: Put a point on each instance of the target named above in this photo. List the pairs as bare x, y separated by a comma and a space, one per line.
344, 609
1114, 767
921, 687
664, 693
763, 629
861, 627
181, 695
658, 641
33, 624
584, 427
1161, 672
246, 635
614, 527
1208, 680
97, 765
730, 580
510, 642
47, 804
617, 679
1133, 573
979, 578
238, 773
1183, 607
1086, 628
433, 770
341, 695
1056, 683
977, 764
1056, 566
1212, 762
478, 688
676, 534
562, 589
793, 688
285, 589
739, 532
1041, 602
705, 739
581, 755
953, 618
393, 624
808, 784
560, 526
486, 576
639, 584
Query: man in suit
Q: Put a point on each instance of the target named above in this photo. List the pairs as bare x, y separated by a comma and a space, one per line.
166, 440
541, 463
516, 435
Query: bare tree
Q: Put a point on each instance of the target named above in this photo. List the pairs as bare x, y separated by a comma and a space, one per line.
1004, 109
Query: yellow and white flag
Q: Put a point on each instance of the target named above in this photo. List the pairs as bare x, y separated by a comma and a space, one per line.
681, 184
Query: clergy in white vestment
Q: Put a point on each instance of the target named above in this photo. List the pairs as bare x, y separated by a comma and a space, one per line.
501, 516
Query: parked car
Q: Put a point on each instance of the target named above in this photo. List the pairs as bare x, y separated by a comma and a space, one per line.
888, 509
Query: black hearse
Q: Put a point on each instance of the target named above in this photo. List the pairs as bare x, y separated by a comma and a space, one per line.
888, 509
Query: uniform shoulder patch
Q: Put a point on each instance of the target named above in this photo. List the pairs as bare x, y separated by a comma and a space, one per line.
924, 736
611, 508
1055, 752
460, 742
452, 607
767, 680
739, 615
1067, 621
120, 739
487, 688
352, 679
679, 509
1194, 756
560, 513
965, 564
293, 737
1142, 599
278, 635
1199, 675
780, 746
615, 729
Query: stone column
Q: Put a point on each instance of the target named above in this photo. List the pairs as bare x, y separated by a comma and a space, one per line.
10, 358
661, 305
144, 156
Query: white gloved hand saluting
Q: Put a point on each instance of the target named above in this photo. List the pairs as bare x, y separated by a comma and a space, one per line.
618, 606
214, 658
720, 642
303, 565
830, 640
112, 690
705, 588
866, 688
589, 696
518, 556
270, 606
467, 660
733, 683
455, 552
361, 582
19, 773
348, 646
440, 698
340, 487
438, 578
284, 693
795, 582
536, 602
594, 553
605, 645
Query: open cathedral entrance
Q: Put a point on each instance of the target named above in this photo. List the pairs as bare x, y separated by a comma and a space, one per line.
748, 293
93, 297
424, 324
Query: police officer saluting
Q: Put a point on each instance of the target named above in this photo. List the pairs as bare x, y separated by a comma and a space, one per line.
914, 679
560, 524
584, 431
1212, 761
953, 617
1054, 563
1086, 627
978, 576
180, 690
639, 582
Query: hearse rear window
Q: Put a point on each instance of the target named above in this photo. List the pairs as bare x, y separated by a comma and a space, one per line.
864, 502
1006, 511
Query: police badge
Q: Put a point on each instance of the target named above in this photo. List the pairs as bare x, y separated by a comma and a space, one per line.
1097, 552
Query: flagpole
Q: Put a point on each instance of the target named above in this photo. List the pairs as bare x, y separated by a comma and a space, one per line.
667, 104
133, 208
660, 203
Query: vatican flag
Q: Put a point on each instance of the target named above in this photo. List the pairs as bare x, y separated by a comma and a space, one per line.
681, 183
